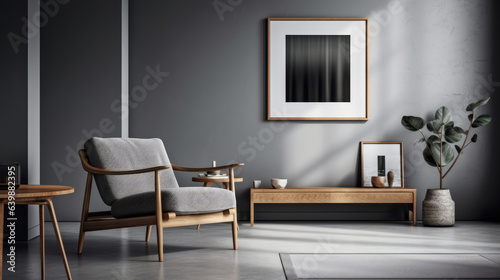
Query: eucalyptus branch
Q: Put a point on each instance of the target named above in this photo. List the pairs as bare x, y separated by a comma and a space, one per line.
463, 145
443, 129
466, 145
429, 148
441, 158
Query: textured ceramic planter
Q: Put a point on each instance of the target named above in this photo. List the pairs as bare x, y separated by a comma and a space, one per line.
438, 208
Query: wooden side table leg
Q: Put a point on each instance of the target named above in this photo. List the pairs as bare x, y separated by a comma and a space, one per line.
409, 212
58, 235
42, 240
148, 233
251, 214
414, 213
2, 205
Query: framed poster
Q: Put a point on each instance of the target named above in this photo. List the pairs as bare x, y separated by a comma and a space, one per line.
317, 69
378, 158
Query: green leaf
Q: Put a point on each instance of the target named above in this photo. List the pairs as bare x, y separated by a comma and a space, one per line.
470, 117
460, 130
481, 121
473, 106
450, 124
474, 138
482, 101
428, 157
419, 141
412, 123
432, 139
448, 154
435, 126
453, 134
443, 114
458, 149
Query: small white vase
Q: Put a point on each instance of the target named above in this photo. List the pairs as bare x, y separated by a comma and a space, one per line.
438, 208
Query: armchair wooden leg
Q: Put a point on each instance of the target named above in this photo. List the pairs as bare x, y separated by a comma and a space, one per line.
235, 233
159, 216
159, 233
85, 211
148, 233
236, 219
80, 241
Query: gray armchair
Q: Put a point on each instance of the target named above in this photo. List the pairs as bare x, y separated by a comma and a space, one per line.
134, 177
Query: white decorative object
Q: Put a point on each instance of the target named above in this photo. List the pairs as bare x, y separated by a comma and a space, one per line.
278, 183
213, 173
257, 183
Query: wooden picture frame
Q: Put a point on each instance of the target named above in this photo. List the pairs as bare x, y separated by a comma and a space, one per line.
389, 154
317, 69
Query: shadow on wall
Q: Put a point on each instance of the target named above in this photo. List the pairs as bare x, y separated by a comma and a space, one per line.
493, 163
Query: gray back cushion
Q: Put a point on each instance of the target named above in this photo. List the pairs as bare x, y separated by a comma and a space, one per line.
128, 154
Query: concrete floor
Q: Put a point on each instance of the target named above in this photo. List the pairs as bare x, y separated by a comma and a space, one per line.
208, 254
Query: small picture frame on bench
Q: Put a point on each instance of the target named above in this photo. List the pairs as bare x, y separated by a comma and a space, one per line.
378, 159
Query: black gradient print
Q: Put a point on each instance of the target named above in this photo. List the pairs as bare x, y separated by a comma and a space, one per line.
318, 68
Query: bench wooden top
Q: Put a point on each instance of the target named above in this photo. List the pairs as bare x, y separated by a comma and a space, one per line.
334, 189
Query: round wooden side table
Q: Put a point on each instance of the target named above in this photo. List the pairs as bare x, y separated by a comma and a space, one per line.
208, 180
39, 195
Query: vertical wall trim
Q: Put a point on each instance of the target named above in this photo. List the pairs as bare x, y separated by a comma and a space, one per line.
125, 70
33, 99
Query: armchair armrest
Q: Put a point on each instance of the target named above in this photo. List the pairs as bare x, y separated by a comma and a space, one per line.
199, 169
91, 169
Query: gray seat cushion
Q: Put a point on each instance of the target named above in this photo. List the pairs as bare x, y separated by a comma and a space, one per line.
182, 201
128, 154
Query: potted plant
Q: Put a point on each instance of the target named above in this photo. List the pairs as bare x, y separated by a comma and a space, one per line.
438, 207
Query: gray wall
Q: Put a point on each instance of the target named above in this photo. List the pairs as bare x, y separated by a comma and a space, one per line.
492, 158
14, 91
14, 97
80, 69
430, 54
212, 102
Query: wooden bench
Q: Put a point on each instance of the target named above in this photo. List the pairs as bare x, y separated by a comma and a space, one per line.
336, 195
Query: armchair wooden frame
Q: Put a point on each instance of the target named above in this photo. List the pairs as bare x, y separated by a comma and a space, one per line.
92, 221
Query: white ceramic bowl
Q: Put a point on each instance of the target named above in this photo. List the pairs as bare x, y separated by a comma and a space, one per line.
278, 183
215, 172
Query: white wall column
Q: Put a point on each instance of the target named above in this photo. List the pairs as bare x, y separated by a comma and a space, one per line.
125, 69
33, 117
